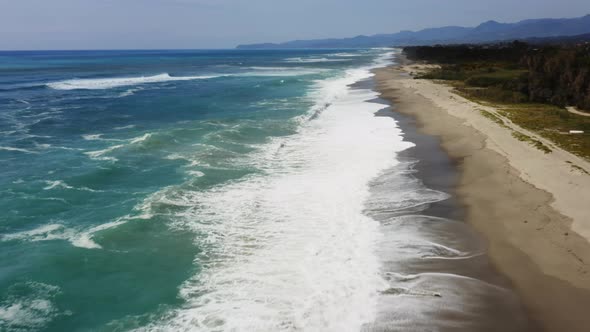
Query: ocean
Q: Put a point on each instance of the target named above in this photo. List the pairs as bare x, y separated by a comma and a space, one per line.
214, 190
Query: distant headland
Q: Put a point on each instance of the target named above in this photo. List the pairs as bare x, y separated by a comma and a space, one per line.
489, 31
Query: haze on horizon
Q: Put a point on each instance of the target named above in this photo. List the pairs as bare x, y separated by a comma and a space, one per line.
162, 24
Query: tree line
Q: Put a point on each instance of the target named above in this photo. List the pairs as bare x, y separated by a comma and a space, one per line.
554, 74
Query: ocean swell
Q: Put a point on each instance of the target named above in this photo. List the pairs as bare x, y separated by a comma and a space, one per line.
115, 82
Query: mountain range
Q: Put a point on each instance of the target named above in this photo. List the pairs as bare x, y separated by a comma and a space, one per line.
489, 31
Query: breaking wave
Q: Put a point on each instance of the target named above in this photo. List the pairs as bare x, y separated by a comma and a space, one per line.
109, 83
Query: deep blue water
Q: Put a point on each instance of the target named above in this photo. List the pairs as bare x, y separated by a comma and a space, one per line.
105, 155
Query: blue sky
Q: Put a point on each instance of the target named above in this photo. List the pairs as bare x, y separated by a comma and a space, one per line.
117, 24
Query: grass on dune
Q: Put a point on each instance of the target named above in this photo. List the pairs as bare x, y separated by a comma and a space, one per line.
485, 84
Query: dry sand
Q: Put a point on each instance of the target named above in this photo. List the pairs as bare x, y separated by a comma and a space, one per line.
533, 208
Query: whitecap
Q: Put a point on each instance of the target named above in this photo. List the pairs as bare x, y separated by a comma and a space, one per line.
9, 148
30, 308
82, 238
271, 242
128, 93
344, 54
282, 71
92, 137
61, 184
114, 82
56, 184
98, 137
141, 138
196, 173
124, 127
42, 233
313, 60
8, 132
42, 145
99, 154
46, 146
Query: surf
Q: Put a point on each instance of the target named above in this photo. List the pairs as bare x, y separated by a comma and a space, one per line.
292, 249
116, 82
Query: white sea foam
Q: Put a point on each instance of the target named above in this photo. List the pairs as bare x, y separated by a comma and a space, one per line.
291, 250
114, 82
56, 184
44, 232
9, 148
82, 238
103, 154
46, 146
92, 137
43, 145
30, 310
141, 138
59, 184
49, 232
7, 132
282, 71
196, 173
29, 313
100, 154
124, 127
129, 92
313, 60
344, 54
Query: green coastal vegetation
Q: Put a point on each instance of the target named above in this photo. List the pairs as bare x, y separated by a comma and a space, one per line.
532, 85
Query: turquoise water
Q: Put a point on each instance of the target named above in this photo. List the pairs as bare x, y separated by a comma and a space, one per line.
128, 183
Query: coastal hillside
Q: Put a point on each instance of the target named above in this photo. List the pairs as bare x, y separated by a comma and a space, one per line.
486, 32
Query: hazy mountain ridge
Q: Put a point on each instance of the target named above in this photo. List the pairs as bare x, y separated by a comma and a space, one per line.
485, 32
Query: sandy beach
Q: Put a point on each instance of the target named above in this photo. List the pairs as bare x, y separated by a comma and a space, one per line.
530, 207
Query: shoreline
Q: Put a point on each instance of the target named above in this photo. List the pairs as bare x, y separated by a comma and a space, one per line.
472, 294
529, 241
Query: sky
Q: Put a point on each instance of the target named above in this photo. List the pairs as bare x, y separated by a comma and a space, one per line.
165, 24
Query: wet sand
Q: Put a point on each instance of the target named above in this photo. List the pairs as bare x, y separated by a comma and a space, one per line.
516, 265
439, 275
